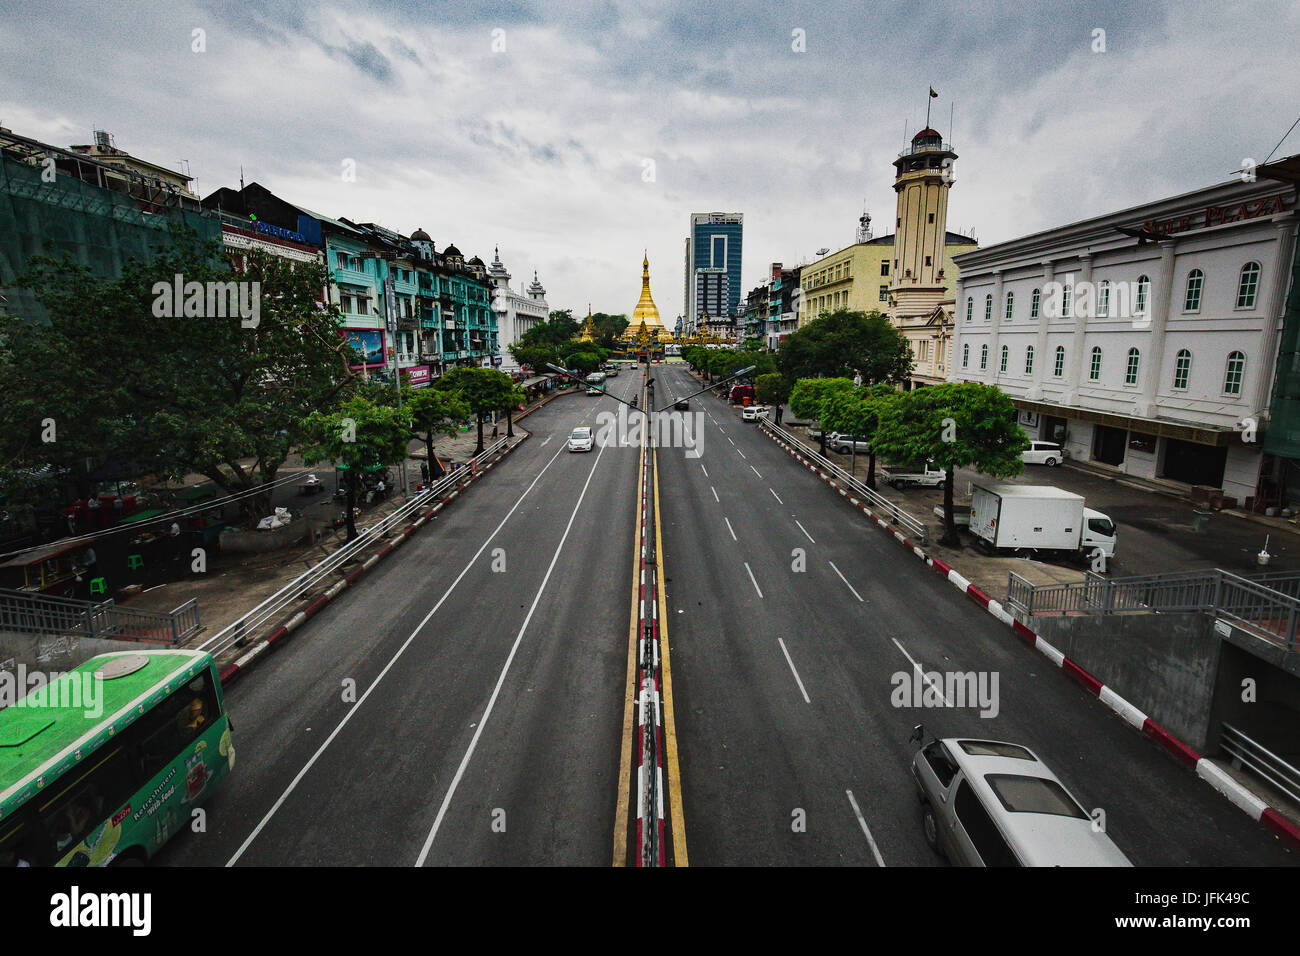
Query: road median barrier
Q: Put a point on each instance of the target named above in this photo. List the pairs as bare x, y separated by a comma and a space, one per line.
1239, 795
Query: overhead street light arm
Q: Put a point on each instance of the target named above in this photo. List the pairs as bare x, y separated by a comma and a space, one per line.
576, 378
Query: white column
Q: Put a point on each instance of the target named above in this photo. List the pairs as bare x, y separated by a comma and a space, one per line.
1161, 294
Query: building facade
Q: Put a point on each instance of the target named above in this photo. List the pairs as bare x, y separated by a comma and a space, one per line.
1145, 340
516, 312
714, 245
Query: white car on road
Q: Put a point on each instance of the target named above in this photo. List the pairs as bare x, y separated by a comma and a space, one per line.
752, 413
1047, 453
580, 439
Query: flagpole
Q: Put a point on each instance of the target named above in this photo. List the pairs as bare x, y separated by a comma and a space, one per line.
928, 98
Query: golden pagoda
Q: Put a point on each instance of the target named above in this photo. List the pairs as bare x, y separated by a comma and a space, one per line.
588, 332
646, 324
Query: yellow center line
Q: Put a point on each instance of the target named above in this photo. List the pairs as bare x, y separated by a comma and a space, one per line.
621, 810
670, 723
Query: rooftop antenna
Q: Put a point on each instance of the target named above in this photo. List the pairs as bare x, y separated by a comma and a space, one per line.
241, 177
950, 110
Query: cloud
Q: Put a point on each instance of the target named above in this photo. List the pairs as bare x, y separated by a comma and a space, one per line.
542, 147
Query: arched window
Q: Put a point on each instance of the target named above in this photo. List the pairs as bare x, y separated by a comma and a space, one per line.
1058, 369
1011, 298
1034, 301
1233, 374
1143, 295
1182, 369
970, 307
965, 355
1192, 298
988, 308
1029, 360
1248, 285
984, 357
1002, 365
1094, 367
1131, 369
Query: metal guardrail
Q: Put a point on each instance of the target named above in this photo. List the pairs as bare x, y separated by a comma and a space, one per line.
1261, 761
274, 606
1267, 605
916, 528
25, 613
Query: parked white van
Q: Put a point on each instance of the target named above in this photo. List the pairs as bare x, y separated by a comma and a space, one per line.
1047, 453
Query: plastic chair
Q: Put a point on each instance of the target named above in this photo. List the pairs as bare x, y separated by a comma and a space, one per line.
134, 562
97, 586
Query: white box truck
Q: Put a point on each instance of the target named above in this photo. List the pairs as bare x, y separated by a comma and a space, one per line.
1038, 518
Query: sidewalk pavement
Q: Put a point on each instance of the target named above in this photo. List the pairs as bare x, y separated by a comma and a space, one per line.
1155, 531
236, 583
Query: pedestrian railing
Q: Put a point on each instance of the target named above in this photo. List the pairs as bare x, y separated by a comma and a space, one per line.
24, 613
914, 526
1259, 760
274, 607
1267, 605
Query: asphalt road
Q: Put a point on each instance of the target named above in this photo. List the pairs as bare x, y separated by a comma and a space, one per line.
485, 722
486, 719
783, 687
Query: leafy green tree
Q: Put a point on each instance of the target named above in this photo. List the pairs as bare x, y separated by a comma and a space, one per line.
844, 343
582, 362
360, 435
857, 412
808, 394
483, 390
608, 328
172, 394
433, 412
771, 389
536, 356
955, 425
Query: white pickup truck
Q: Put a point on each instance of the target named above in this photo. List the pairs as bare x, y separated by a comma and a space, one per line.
920, 474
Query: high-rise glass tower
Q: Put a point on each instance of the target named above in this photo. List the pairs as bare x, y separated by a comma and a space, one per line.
713, 254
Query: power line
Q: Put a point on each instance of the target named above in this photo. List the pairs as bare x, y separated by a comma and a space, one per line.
1282, 140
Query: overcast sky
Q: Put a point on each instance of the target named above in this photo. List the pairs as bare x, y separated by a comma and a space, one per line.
544, 147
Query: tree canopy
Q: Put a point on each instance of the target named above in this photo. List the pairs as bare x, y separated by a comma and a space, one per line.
842, 344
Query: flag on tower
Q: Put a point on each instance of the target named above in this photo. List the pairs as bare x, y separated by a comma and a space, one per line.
933, 94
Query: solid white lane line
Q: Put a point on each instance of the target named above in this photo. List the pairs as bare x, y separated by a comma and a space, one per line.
925, 677
755, 470
793, 671
777, 497
715, 494
752, 581
845, 580
387, 667
733, 533
505, 669
875, 851
805, 531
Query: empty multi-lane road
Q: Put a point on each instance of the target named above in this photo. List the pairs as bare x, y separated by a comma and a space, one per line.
465, 704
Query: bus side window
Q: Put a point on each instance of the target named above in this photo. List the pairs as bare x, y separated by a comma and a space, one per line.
85, 798
17, 844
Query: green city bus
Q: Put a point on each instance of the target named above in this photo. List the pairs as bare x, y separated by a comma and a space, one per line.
104, 763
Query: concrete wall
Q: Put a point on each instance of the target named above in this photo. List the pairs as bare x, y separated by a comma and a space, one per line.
62, 653
1164, 664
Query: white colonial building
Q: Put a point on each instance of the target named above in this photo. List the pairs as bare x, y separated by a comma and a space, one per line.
1145, 340
516, 312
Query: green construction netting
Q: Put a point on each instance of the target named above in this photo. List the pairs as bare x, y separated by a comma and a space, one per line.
99, 228
1283, 435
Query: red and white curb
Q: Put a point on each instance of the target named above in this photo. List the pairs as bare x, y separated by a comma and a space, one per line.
246, 660
1241, 797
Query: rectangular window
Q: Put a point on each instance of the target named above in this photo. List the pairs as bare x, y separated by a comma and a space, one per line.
884, 293
884, 267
